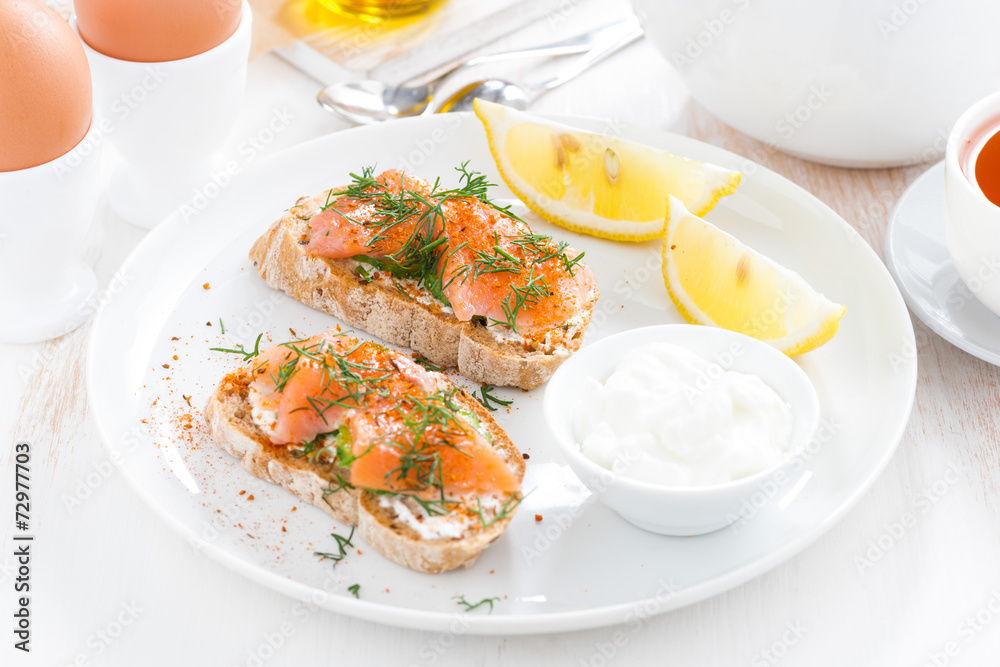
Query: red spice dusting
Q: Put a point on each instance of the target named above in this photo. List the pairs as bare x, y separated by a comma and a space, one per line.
492, 571
673, 247
175, 357
242, 492
250, 497
538, 517
294, 508
174, 338
525, 456
207, 286
187, 399
284, 530
292, 331
166, 365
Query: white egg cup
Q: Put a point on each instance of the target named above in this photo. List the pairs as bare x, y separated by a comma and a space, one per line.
972, 220
45, 288
168, 120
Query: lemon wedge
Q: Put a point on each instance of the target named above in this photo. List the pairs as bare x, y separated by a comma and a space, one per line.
714, 279
594, 183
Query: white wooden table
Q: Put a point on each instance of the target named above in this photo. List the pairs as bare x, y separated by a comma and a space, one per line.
112, 585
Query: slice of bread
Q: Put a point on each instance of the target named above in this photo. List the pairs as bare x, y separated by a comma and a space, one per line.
385, 521
408, 316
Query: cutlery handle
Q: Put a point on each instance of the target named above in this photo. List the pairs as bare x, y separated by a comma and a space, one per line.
592, 57
578, 44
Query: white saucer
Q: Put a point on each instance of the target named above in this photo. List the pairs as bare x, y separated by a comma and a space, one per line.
917, 256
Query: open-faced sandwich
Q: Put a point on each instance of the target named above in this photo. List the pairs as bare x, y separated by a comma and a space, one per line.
375, 440
445, 272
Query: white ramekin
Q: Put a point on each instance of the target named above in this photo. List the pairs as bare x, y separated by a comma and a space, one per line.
675, 510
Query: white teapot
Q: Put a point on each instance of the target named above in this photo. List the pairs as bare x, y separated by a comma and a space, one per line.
857, 83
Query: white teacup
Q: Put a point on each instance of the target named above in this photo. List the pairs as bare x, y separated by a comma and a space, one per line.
973, 221
45, 211
168, 120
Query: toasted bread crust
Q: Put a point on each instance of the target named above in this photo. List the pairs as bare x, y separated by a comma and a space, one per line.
334, 286
378, 527
232, 428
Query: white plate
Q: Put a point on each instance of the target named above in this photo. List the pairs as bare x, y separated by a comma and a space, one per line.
581, 566
916, 251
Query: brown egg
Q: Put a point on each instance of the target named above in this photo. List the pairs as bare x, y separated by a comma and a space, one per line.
156, 30
45, 89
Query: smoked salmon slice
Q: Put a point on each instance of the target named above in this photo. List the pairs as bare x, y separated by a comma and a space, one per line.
476, 258
407, 430
349, 226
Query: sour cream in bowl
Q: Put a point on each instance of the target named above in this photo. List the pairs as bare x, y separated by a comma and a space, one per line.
675, 427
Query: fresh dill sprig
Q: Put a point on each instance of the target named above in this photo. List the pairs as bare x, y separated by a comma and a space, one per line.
355, 589
427, 421
342, 483
426, 363
543, 248
488, 400
247, 356
222, 327
522, 297
323, 555
313, 449
469, 606
497, 261
505, 511
342, 544
345, 383
435, 507
365, 273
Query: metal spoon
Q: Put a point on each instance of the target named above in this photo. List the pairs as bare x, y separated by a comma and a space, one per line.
372, 101
520, 96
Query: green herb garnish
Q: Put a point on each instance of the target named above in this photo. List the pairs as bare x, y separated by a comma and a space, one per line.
424, 255
342, 544
426, 363
522, 298
436, 415
505, 511
487, 399
240, 350
460, 599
